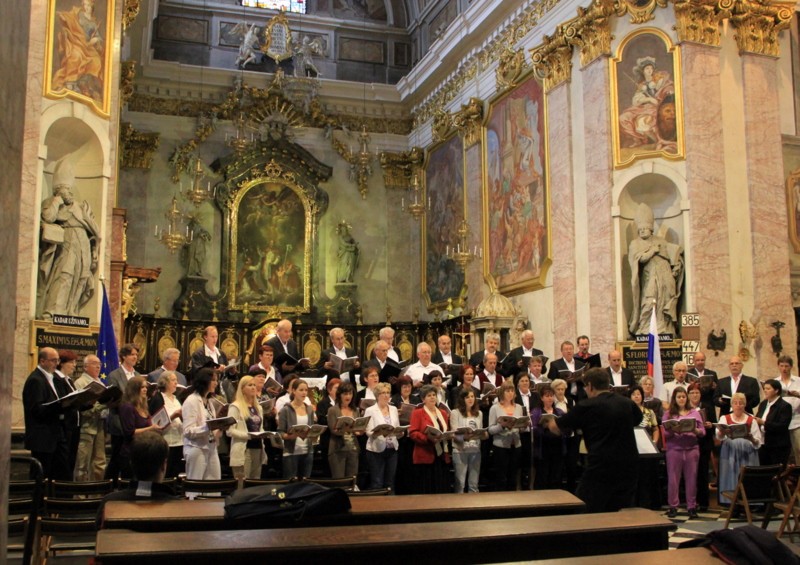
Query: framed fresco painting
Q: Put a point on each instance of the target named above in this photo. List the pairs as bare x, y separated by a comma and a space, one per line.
646, 104
442, 277
78, 48
793, 204
271, 244
516, 193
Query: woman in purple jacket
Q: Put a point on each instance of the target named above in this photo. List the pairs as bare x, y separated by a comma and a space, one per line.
683, 452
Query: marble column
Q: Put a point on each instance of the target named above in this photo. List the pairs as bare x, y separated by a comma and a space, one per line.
708, 259
562, 212
772, 296
602, 257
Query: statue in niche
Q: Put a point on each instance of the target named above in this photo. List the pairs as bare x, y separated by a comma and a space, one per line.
304, 57
249, 47
68, 256
347, 254
656, 276
196, 250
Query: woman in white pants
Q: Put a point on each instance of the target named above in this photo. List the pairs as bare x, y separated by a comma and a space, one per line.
199, 443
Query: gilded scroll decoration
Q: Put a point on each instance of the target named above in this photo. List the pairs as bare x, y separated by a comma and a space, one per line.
127, 74
442, 125
698, 21
510, 69
641, 11
129, 12
468, 121
591, 30
757, 24
552, 61
398, 168
136, 147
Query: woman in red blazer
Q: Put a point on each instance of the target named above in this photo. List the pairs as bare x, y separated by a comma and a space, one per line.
431, 454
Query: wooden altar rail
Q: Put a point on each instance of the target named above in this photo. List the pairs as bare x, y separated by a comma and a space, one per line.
474, 541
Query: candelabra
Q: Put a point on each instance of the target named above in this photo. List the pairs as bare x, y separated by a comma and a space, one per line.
362, 162
239, 141
416, 204
196, 193
173, 237
460, 252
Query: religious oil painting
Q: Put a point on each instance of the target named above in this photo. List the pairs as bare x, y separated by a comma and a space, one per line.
647, 108
270, 258
516, 191
793, 202
80, 39
442, 277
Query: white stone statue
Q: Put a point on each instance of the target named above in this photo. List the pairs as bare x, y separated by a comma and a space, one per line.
304, 57
347, 254
70, 239
248, 49
656, 276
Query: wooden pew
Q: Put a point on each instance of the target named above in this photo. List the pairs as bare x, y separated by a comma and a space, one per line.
476, 541
689, 556
181, 515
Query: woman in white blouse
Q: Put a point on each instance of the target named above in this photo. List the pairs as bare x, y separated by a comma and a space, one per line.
381, 450
200, 443
167, 384
247, 454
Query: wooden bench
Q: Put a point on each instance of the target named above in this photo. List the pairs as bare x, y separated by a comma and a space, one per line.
476, 541
182, 515
689, 556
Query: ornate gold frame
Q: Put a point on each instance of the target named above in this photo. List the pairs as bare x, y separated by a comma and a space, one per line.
792, 203
104, 109
272, 175
674, 50
279, 20
533, 283
450, 135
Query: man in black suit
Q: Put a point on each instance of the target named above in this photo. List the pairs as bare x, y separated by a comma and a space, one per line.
620, 376
560, 369
699, 368
444, 354
45, 434
170, 360
736, 382
492, 344
283, 344
119, 377
774, 415
518, 358
339, 349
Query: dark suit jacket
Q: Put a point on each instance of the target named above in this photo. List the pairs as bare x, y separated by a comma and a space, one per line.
747, 386
396, 350
275, 343
44, 425
707, 372
153, 376
457, 359
561, 365
200, 359
776, 426
627, 376
511, 363
476, 360
325, 355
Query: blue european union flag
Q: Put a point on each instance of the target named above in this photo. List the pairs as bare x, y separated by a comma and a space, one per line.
107, 341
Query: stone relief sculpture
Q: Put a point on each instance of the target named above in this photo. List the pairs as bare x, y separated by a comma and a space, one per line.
656, 276
248, 49
196, 251
347, 254
69, 248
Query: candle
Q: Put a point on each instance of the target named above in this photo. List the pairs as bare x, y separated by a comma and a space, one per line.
403, 204
156, 234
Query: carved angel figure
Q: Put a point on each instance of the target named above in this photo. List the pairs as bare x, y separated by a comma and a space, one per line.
304, 57
248, 49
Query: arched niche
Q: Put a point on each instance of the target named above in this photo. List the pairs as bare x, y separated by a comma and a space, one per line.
69, 136
664, 195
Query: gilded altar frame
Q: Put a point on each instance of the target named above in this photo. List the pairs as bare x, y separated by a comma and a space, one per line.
93, 87
275, 285
642, 129
513, 196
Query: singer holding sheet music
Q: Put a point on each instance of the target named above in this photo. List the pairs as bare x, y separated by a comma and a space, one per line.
135, 419
343, 449
683, 451
200, 443
466, 452
431, 455
247, 454
505, 438
298, 452
165, 398
736, 452
382, 450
